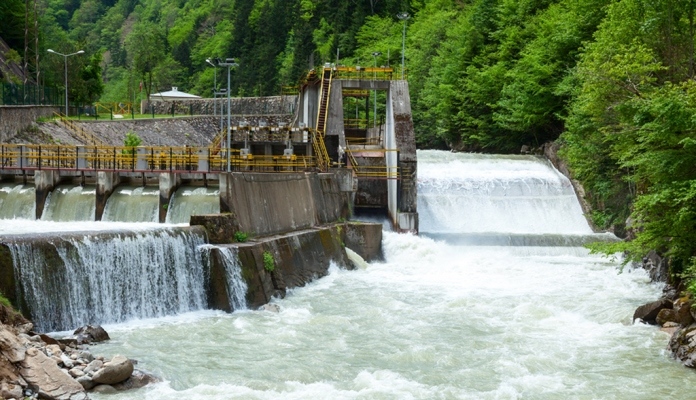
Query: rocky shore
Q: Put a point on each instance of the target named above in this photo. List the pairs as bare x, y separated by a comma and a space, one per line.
38, 366
674, 312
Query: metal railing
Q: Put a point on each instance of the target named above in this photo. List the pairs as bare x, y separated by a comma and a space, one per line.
143, 159
18, 94
79, 131
364, 73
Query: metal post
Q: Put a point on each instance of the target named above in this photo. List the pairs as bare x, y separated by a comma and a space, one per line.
65, 59
404, 16
229, 62
374, 78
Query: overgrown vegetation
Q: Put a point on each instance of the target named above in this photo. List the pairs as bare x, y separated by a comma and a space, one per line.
241, 237
268, 261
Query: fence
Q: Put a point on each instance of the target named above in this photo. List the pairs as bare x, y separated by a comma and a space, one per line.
21, 95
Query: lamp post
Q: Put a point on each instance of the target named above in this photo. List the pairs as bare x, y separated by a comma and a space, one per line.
229, 62
209, 61
374, 77
65, 57
404, 16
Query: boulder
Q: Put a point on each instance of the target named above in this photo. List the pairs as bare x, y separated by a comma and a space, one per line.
656, 266
683, 345
54, 350
682, 309
76, 373
666, 315
91, 334
117, 370
86, 382
670, 328
10, 391
42, 374
648, 312
10, 346
104, 389
270, 307
94, 366
137, 380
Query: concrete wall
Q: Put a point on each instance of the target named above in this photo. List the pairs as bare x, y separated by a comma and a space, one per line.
14, 119
300, 257
266, 204
238, 105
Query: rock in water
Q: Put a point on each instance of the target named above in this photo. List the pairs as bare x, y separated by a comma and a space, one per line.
42, 372
648, 312
91, 334
117, 370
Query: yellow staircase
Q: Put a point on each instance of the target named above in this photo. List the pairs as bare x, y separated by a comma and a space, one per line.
87, 137
322, 156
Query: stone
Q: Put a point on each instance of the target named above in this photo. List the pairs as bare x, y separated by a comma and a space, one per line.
682, 309
47, 339
86, 355
10, 346
117, 370
10, 391
42, 374
76, 373
94, 366
57, 359
656, 266
104, 389
648, 312
137, 380
54, 350
94, 333
25, 328
666, 315
66, 361
270, 308
86, 382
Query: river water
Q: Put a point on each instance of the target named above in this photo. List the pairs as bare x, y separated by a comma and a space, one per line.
461, 312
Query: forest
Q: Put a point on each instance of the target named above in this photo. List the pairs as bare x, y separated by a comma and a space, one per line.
611, 81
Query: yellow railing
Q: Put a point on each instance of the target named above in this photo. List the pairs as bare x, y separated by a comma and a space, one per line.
356, 93
318, 136
117, 108
83, 134
365, 73
353, 123
361, 141
143, 159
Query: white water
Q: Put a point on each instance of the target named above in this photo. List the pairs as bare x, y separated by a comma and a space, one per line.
236, 285
439, 319
188, 201
93, 278
17, 201
133, 204
70, 203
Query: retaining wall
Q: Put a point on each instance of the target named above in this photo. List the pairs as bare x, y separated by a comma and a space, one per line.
238, 105
14, 119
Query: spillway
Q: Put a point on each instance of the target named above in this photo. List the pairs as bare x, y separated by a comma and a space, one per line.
133, 204
496, 300
188, 200
17, 201
70, 203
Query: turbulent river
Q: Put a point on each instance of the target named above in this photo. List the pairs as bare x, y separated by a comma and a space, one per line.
496, 299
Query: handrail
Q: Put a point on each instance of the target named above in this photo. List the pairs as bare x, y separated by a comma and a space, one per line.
318, 134
82, 133
142, 159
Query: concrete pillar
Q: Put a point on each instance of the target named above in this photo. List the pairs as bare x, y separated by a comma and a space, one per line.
106, 183
44, 183
225, 183
168, 183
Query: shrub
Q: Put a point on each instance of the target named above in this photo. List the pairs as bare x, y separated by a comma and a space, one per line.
268, 261
241, 237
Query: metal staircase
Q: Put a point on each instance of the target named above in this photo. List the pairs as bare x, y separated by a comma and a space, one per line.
322, 156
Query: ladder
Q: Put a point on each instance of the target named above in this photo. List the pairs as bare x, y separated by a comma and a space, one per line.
323, 160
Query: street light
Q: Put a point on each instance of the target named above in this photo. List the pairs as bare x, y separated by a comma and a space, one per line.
404, 16
209, 61
229, 62
65, 56
374, 77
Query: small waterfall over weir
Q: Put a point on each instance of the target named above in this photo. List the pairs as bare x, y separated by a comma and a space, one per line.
495, 200
188, 201
77, 278
133, 204
236, 286
17, 201
71, 203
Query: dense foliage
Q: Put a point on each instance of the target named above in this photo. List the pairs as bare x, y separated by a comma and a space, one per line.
612, 80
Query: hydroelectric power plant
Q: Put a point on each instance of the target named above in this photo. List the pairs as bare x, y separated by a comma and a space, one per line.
494, 299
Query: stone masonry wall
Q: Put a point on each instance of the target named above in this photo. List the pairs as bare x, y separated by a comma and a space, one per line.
271, 105
14, 119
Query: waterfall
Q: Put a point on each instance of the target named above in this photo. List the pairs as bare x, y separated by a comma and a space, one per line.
188, 201
99, 278
236, 285
71, 203
17, 201
495, 200
133, 204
